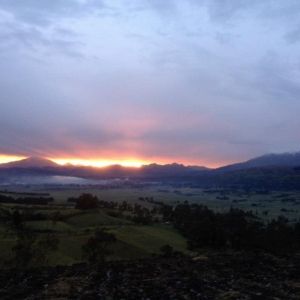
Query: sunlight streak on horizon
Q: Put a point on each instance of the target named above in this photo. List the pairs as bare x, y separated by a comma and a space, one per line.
98, 163
9, 158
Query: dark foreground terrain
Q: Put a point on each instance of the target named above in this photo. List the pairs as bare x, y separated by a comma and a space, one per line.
241, 276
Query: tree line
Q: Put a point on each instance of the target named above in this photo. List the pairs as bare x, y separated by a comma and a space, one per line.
236, 230
26, 200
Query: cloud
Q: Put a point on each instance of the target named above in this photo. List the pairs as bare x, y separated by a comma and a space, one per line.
44, 26
188, 81
223, 11
45, 13
163, 7
293, 36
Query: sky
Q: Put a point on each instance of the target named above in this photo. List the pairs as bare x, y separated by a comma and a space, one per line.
197, 82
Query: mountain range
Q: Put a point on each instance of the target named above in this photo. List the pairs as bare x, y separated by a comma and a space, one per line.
272, 170
283, 159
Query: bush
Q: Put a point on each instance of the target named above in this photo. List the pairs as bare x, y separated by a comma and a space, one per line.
29, 251
96, 248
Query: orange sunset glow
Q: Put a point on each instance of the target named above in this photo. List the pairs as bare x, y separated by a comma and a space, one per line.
99, 163
84, 162
130, 162
8, 158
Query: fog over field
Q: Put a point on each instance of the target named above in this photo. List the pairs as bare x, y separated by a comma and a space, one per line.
56, 180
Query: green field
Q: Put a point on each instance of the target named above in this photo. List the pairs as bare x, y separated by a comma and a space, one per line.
258, 203
133, 241
170, 195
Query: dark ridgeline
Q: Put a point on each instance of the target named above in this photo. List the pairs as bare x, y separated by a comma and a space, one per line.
274, 171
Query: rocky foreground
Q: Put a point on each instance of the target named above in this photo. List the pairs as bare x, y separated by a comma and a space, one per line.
241, 276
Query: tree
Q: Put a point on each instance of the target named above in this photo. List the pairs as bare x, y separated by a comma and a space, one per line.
44, 248
23, 249
96, 248
123, 206
54, 218
167, 212
29, 251
87, 201
166, 250
17, 219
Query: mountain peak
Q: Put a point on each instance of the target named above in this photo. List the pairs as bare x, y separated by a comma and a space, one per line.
266, 160
30, 162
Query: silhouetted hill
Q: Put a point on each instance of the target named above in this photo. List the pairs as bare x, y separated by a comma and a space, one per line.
30, 162
271, 178
170, 169
284, 159
274, 171
40, 167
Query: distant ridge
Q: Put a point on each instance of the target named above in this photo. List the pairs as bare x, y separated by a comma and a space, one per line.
37, 166
30, 162
267, 160
173, 168
271, 171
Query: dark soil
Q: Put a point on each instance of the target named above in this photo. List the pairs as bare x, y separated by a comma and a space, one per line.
241, 276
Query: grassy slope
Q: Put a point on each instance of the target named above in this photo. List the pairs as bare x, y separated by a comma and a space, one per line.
167, 195
133, 242
150, 238
95, 219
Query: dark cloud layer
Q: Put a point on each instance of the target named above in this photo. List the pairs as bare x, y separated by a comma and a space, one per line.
197, 82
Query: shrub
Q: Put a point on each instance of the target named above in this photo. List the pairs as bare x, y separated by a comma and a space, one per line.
96, 248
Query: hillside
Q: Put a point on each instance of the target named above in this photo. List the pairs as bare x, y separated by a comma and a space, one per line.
268, 160
30, 162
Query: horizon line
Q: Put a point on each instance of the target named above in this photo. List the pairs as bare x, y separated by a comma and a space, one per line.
136, 163
5, 159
